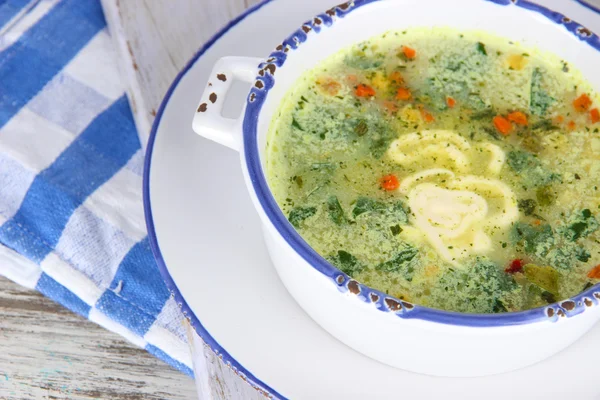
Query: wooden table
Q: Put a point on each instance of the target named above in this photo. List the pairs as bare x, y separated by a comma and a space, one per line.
48, 352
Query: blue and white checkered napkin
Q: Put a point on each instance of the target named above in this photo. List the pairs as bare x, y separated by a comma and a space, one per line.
71, 214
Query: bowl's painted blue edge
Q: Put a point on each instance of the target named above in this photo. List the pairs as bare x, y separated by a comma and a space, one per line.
381, 301
589, 6
187, 311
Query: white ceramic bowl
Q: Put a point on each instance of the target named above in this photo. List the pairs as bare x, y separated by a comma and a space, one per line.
395, 332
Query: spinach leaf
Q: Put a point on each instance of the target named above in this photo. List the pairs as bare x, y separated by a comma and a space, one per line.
366, 204
346, 263
452, 76
540, 100
400, 212
530, 169
299, 214
562, 257
481, 48
543, 125
580, 225
380, 136
499, 306
404, 262
392, 212
336, 213
527, 206
395, 229
483, 114
538, 241
548, 297
295, 124
464, 288
582, 254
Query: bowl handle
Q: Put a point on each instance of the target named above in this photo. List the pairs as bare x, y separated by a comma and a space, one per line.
208, 121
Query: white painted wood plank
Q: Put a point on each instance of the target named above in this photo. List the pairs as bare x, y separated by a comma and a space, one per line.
47, 352
155, 39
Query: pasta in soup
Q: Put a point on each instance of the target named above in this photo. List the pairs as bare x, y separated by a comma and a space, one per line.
456, 170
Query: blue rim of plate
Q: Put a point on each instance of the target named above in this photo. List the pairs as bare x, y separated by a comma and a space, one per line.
299, 244
185, 308
589, 6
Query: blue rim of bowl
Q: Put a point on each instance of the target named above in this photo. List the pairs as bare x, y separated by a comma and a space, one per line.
589, 6
258, 94
241, 371
441, 316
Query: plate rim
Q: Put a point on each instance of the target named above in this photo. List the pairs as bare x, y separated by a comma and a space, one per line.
208, 339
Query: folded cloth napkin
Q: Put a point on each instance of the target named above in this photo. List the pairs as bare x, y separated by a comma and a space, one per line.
71, 214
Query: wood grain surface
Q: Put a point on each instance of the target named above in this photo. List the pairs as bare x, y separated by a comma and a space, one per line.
154, 40
48, 352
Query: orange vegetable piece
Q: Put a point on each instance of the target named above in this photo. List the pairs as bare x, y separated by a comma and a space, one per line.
396, 78
537, 222
450, 102
390, 106
390, 182
594, 115
571, 125
427, 115
363, 90
409, 52
558, 119
594, 272
330, 86
502, 125
403, 94
518, 118
582, 103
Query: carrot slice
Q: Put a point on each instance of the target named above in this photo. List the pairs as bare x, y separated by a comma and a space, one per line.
390, 182
396, 78
518, 118
558, 119
363, 90
594, 115
427, 115
571, 125
502, 125
594, 272
403, 94
582, 103
450, 102
409, 52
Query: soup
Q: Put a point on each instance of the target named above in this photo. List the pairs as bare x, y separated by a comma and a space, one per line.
455, 170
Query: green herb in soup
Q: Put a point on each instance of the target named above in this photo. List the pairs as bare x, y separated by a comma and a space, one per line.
455, 170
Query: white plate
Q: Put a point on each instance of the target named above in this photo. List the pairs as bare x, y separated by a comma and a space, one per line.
207, 240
